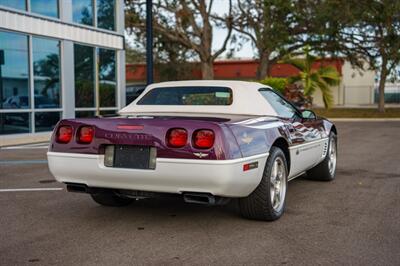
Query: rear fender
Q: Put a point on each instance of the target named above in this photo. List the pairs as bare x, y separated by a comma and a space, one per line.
256, 136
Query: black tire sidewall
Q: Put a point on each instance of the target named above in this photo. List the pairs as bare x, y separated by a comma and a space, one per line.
274, 153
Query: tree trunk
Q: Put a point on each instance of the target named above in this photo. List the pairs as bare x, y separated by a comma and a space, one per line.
207, 70
381, 88
263, 66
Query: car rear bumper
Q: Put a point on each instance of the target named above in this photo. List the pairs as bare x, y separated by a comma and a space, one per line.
218, 177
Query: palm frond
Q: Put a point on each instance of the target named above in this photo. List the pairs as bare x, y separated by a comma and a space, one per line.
298, 63
329, 75
327, 96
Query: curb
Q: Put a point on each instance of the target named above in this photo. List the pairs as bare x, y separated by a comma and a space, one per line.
365, 119
23, 139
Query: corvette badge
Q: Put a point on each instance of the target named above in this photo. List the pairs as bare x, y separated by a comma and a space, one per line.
200, 154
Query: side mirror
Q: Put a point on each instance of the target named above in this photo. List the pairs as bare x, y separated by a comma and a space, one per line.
308, 114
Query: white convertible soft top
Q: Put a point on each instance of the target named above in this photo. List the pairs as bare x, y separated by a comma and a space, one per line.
247, 100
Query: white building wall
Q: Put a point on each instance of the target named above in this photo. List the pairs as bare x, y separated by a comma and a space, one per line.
356, 88
33, 24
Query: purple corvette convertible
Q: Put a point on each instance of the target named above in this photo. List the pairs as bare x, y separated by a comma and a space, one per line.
207, 141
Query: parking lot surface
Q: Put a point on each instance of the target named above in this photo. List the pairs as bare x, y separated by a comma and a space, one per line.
353, 220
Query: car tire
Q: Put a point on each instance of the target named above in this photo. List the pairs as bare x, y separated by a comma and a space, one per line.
261, 204
326, 170
110, 199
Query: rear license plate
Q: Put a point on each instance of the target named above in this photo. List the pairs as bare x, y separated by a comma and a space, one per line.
128, 156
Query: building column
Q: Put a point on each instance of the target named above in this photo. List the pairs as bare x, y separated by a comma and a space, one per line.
120, 54
67, 65
68, 79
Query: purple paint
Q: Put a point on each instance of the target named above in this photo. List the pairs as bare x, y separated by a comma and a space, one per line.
235, 137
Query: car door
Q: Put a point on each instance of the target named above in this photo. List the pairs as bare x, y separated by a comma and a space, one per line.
305, 134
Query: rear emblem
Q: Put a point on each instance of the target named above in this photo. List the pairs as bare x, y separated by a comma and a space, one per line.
200, 154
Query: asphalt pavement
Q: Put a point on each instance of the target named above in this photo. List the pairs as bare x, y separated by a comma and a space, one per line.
354, 220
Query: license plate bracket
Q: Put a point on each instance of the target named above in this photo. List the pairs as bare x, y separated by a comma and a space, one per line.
130, 156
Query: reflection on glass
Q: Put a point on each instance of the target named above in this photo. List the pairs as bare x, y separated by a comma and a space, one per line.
45, 7
82, 11
133, 91
14, 83
282, 108
46, 71
107, 78
45, 121
108, 113
106, 14
11, 123
84, 114
84, 76
18, 4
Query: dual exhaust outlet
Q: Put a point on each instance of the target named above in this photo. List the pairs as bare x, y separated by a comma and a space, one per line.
189, 197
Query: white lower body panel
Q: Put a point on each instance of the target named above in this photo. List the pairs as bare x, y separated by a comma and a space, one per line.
218, 177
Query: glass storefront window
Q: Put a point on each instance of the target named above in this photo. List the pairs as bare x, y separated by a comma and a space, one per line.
45, 7
46, 121
82, 11
14, 71
84, 76
107, 80
84, 114
12, 123
17, 4
46, 71
106, 14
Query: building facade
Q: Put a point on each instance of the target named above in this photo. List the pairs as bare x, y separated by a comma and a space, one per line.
59, 59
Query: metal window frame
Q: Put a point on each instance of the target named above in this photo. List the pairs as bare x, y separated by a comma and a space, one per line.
31, 83
96, 81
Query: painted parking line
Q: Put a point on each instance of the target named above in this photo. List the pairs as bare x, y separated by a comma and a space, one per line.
30, 189
27, 147
17, 162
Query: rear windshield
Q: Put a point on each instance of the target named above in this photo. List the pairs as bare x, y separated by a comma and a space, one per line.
188, 96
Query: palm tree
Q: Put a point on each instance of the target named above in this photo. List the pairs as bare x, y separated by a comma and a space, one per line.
311, 79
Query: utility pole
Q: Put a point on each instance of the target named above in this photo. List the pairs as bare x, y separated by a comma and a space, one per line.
149, 41
2, 62
96, 81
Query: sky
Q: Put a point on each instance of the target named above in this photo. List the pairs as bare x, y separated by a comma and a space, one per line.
247, 51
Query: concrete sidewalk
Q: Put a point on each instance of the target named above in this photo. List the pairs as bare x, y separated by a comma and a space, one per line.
20, 139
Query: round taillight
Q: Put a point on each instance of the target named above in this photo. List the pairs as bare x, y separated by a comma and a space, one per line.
64, 134
177, 137
85, 134
203, 139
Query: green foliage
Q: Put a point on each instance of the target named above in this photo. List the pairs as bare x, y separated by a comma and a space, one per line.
311, 79
277, 84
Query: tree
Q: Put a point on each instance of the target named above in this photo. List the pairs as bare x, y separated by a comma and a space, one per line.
376, 34
187, 23
273, 28
314, 79
170, 58
362, 30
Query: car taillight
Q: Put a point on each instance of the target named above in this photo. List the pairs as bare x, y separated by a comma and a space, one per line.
203, 139
64, 134
85, 134
177, 137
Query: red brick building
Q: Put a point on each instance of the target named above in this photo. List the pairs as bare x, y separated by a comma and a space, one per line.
231, 69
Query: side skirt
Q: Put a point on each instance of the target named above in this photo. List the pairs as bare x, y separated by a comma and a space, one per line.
293, 177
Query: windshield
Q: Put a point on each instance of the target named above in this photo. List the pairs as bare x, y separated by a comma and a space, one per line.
188, 96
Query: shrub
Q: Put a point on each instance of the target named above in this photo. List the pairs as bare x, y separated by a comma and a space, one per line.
277, 84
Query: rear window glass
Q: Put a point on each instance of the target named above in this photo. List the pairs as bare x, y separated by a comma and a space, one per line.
188, 96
